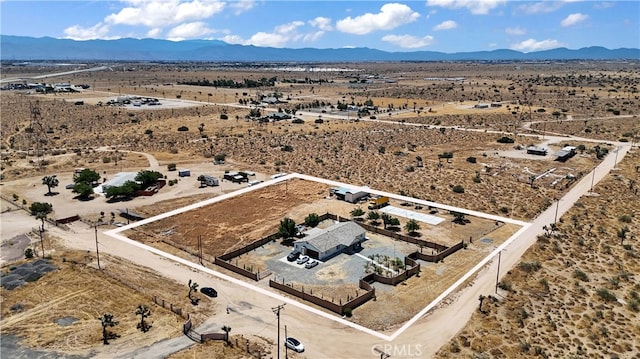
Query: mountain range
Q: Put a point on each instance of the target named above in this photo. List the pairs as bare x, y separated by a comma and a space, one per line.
14, 48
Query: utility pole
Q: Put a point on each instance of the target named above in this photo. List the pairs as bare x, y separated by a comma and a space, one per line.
555, 220
41, 230
95, 227
277, 310
498, 271
200, 248
593, 178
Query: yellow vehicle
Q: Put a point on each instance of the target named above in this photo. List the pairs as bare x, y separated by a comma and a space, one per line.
378, 202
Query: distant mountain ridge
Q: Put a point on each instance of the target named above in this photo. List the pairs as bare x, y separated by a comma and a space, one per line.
128, 49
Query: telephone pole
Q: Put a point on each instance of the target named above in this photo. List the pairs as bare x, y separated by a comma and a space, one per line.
95, 227
277, 310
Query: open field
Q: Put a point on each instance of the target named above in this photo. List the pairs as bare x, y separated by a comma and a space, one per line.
576, 289
416, 120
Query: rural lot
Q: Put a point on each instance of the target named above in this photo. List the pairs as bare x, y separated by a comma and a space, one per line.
540, 249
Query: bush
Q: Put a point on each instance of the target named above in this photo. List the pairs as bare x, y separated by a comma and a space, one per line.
224, 116
183, 129
505, 285
580, 275
106, 159
471, 159
505, 139
625, 218
171, 167
606, 295
458, 189
530, 267
28, 253
347, 312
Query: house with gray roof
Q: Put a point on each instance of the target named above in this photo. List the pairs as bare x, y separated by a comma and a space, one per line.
325, 243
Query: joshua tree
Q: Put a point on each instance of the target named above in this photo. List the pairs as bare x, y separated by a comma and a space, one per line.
50, 182
143, 311
107, 321
226, 330
386, 220
481, 298
193, 287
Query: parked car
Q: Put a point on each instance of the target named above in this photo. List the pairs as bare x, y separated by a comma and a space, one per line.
302, 260
293, 256
294, 344
208, 291
311, 263
70, 186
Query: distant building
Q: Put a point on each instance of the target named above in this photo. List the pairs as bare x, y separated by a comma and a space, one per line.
323, 244
532, 150
210, 181
348, 194
565, 153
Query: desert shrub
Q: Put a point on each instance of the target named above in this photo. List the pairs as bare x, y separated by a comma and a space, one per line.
530, 267
505, 139
347, 312
287, 148
634, 305
504, 210
578, 274
173, 151
183, 129
606, 295
471, 159
623, 140
457, 189
171, 167
312, 220
148, 132
106, 159
28, 253
505, 285
224, 116
409, 169
625, 218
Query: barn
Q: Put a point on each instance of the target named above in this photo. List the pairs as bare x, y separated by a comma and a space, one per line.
323, 244
348, 194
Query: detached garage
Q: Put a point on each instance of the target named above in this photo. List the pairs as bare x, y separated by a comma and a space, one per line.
323, 244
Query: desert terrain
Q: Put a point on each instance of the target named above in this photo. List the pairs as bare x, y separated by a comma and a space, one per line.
397, 146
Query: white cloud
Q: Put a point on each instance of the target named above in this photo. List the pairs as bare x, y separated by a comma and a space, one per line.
154, 33
541, 7
390, 16
313, 36
242, 6
476, 7
189, 30
573, 19
604, 5
77, 32
159, 13
515, 30
534, 45
445, 25
281, 35
322, 23
408, 41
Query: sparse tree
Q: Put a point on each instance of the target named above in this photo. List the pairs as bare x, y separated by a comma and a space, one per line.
143, 311
193, 287
50, 182
107, 322
312, 220
412, 227
202, 180
148, 178
357, 213
87, 176
83, 190
373, 217
287, 228
481, 298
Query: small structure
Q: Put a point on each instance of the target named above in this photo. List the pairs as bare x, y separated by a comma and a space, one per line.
323, 244
481, 105
236, 177
210, 181
565, 153
539, 151
348, 194
184, 173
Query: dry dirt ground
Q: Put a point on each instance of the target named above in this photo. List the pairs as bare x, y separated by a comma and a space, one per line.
575, 293
59, 312
383, 156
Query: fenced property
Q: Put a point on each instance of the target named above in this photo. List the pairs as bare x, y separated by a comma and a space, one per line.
170, 306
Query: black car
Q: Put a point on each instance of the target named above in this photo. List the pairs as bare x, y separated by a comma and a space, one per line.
210, 292
293, 256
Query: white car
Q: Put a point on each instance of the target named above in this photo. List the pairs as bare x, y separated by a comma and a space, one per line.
311, 263
294, 344
303, 260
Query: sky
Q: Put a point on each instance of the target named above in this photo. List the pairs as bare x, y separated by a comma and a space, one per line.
433, 25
